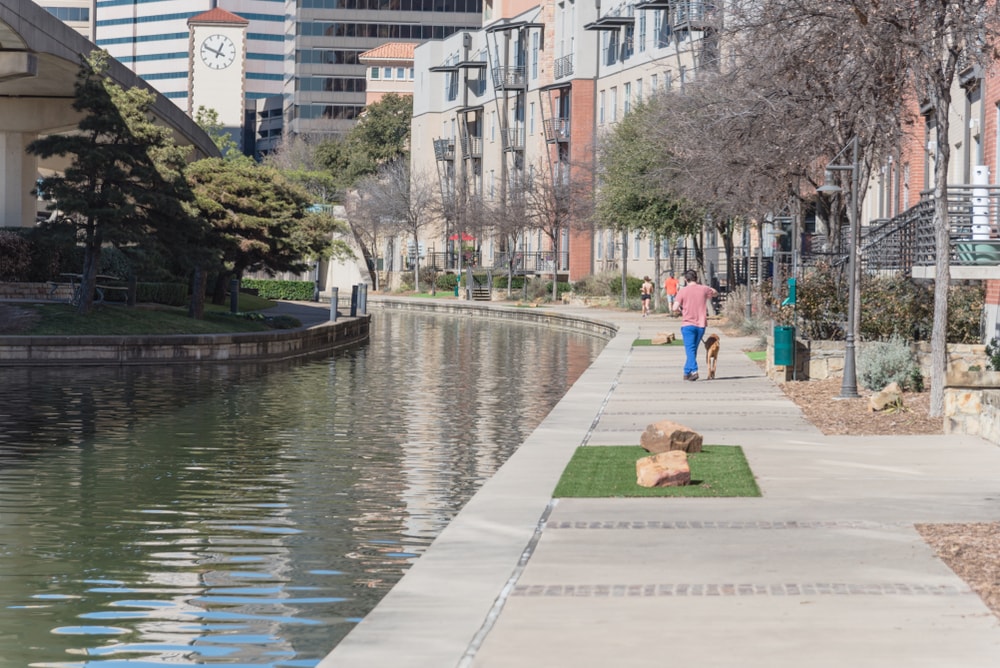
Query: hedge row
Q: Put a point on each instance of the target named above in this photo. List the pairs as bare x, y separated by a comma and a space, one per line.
271, 289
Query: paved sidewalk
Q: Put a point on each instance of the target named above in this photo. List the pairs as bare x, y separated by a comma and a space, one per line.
825, 569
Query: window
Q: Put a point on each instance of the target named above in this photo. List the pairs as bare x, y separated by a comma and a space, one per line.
627, 101
374, 73
652, 248
531, 118
411, 73
600, 108
600, 244
534, 55
638, 90
642, 32
400, 73
386, 72
652, 83
635, 246
614, 104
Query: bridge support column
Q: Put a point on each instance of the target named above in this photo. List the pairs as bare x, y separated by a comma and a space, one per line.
18, 171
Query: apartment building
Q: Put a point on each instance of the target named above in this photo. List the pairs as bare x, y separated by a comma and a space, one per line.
389, 70
534, 90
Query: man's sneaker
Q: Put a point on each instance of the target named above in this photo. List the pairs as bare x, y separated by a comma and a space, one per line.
687, 376
693, 376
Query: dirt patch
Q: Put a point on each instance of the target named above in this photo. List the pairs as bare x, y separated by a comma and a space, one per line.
819, 400
973, 552
15, 319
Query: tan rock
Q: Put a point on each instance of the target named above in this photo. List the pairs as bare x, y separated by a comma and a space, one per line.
666, 435
666, 469
662, 338
891, 396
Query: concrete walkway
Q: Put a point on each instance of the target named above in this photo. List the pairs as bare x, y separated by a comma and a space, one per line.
825, 569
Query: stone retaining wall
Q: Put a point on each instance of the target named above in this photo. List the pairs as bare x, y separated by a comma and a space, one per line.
972, 404
183, 348
35, 291
536, 316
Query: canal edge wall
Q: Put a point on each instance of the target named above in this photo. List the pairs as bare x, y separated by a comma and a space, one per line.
534, 316
276, 345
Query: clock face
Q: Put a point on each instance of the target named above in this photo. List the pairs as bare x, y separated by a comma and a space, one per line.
218, 52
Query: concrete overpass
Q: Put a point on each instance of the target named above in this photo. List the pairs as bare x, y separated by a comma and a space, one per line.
39, 59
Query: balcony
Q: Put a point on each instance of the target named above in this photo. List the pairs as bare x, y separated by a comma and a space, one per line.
508, 78
556, 130
906, 242
444, 149
513, 138
693, 15
472, 146
563, 67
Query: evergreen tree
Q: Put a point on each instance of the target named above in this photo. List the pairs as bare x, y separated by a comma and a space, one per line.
124, 181
259, 219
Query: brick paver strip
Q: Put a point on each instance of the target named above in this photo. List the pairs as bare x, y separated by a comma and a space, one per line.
724, 524
743, 589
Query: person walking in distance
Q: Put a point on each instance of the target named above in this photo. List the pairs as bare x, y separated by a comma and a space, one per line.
645, 294
670, 287
692, 304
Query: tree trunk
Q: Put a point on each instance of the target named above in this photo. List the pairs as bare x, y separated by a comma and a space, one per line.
416, 263
88, 278
555, 265
942, 278
657, 273
196, 307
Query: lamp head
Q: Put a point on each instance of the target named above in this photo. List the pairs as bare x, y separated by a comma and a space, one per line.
828, 187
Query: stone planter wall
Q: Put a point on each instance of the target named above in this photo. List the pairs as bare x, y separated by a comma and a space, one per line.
818, 360
972, 404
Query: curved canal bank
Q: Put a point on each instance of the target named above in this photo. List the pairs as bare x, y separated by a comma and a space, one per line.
222, 513
315, 339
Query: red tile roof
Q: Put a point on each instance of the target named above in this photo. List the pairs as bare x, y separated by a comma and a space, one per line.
218, 16
389, 51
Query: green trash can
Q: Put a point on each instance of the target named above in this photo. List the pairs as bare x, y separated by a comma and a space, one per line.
784, 346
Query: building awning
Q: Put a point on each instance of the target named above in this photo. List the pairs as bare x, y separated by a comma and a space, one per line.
610, 23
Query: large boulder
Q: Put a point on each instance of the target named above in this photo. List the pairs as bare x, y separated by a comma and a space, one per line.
662, 339
891, 396
666, 435
666, 469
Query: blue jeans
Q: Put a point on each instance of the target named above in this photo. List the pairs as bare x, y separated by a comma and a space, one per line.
692, 337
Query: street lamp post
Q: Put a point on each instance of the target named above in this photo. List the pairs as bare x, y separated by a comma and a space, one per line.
849, 384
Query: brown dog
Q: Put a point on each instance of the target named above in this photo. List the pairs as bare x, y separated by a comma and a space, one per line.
711, 353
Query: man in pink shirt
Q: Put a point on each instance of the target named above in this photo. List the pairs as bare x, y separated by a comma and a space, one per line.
692, 303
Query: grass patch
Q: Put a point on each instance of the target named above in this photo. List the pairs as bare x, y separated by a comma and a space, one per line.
757, 355
609, 471
638, 343
106, 319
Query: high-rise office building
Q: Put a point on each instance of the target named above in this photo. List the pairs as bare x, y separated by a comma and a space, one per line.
305, 51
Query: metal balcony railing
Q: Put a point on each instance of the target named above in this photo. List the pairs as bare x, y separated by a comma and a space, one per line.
513, 139
563, 66
693, 14
472, 147
907, 240
444, 149
506, 78
556, 129
539, 262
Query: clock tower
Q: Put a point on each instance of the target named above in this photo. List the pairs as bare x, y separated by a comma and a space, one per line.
217, 67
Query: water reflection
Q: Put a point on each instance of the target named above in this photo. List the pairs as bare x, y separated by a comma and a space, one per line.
250, 515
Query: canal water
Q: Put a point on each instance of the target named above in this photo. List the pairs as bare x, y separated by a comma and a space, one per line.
251, 515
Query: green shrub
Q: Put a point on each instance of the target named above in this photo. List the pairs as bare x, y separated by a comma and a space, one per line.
272, 289
282, 322
965, 313
15, 256
895, 306
603, 284
884, 362
171, 294
447, 282
993, 353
